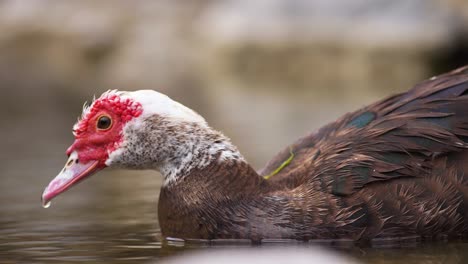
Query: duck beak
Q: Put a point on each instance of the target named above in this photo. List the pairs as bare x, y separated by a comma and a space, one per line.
71, 174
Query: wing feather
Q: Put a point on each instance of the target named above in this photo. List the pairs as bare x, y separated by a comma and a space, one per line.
397, 137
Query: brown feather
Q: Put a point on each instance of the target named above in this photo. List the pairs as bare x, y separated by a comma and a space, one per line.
392, 169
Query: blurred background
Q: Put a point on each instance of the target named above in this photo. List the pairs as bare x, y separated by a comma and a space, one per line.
264, 72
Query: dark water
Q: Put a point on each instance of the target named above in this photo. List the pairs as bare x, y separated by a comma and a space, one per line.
112, 217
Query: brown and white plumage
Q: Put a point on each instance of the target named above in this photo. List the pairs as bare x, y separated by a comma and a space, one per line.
395, 168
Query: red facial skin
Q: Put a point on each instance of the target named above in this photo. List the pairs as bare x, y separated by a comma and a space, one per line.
94, 144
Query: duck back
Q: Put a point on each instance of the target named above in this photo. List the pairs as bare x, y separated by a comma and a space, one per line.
395, 168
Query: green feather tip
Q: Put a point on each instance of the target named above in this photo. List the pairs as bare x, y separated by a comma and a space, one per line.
284, 164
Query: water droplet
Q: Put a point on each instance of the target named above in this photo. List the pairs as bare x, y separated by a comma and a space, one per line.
47, 204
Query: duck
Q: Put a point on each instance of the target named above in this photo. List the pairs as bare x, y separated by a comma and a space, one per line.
396, 168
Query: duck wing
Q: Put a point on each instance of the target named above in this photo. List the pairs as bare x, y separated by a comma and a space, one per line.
405, 135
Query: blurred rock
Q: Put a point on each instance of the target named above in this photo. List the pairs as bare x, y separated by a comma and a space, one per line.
80, 48
329, 43
366, 23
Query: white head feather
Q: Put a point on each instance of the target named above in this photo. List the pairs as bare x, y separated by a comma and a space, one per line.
161, 104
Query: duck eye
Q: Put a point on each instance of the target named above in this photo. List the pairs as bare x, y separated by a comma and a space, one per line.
104, 123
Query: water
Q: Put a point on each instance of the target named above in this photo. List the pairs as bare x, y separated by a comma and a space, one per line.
46, 204
112, 216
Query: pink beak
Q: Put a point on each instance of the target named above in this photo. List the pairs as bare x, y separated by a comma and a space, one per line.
72, 173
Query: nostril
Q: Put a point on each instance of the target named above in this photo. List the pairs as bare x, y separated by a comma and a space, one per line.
70, 162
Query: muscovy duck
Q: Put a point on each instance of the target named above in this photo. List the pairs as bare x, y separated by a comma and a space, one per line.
395, 168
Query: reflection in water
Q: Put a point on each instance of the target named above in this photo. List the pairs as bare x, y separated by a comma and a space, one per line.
134, 243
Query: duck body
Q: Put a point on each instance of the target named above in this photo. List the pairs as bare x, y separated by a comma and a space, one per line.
396, 168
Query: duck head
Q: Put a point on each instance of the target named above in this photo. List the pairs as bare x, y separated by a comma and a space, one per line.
137, 130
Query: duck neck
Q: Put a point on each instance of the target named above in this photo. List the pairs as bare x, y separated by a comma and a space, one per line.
197, 199
183, 151
197, 149
206, 179
198, 155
